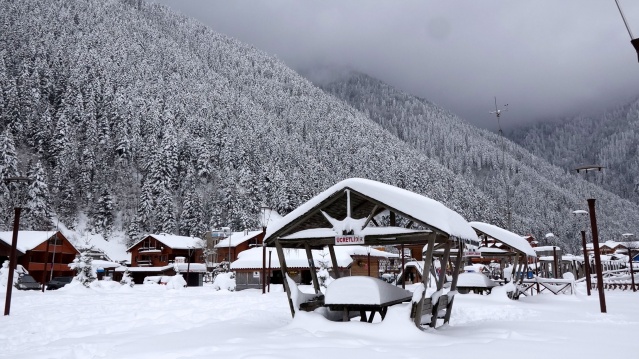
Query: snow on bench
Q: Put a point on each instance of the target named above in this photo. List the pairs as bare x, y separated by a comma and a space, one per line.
363, 294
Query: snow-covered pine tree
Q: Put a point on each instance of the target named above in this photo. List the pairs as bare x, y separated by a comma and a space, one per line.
37, 216
127, 279
8, 168
83, 270
103, 214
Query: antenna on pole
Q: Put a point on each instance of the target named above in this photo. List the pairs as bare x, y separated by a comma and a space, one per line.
497, 113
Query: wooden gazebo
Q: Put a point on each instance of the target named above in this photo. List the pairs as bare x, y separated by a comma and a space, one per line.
516, 248
348, 213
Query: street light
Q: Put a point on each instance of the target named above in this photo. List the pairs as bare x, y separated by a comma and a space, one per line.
586, 257
632, 272
555, 269
264, 219
595, 238
19, 198
633, 41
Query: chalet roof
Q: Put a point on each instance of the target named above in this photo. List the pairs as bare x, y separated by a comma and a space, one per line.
328, 212
173, 241
296, 258
237, 238
507, 237
27, 240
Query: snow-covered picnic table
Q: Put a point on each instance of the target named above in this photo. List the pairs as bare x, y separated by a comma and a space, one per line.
363, 294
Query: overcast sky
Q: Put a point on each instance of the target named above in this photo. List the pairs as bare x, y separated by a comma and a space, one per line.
545, 58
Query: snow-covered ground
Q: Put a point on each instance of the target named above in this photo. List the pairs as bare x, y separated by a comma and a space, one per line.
150, 321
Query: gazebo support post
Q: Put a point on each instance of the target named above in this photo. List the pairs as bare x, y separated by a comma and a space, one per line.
453, 283
442, 271
331, 251
428, 258
283, 268
311, 266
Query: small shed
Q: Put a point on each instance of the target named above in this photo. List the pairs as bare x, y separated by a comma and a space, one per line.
348, 213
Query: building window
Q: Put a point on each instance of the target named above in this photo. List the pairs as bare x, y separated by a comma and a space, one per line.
55, 241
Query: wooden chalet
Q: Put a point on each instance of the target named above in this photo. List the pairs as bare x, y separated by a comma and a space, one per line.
43, 253
229, 248
351, 261
158, 250
346, 214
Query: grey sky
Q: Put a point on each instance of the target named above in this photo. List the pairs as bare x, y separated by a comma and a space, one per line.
545, 58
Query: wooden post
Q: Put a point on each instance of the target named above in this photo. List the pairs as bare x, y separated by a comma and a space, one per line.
331, 251
12, 259
268, 287
632, 271
46, 261
442, 271
554, 260
595, 243
263, 266
311, 266
403, 267
453, 283
284, 269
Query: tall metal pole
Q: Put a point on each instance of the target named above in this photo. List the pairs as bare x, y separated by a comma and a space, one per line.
595, 243
12, 259
586, 261
46, 261
624, 19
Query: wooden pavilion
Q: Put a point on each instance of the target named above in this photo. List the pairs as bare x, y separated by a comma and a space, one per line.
514, 249
346, 214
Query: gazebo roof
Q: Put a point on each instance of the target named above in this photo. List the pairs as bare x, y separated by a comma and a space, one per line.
513, 240
325, 216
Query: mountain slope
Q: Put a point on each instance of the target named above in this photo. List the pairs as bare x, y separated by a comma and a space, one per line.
146, 121
541, 196
611, 140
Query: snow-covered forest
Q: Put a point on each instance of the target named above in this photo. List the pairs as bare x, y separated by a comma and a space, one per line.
141, 120
611, 140
541, 195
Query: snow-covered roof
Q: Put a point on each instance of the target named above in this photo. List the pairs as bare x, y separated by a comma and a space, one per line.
296, 258
474, 280
546, 248
173, 241
419, 207
363, 290
27, 240
507, 237
237, 238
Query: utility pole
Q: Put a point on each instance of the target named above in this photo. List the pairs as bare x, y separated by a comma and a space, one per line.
497, 113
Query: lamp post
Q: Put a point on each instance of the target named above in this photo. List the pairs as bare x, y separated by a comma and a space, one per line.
632, 272
595, 239
555, 270
264, 219
14, 240
586, 257
633, 41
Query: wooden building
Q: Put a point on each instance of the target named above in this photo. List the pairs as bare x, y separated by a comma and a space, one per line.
351, 261
159, 250
229, 248
43, 253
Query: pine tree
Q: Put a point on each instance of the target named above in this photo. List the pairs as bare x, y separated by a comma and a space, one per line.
127, 279
83, 270
8, 168
37, 216
103, 214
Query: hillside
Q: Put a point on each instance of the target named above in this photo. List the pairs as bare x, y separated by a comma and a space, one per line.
541, 195
135, 119
611, 140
